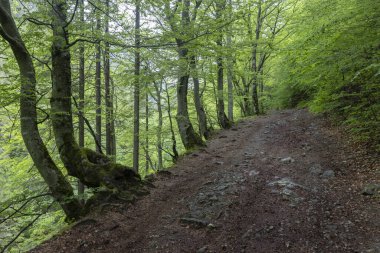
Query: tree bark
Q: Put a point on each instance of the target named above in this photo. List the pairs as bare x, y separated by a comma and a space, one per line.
255, 70
189, 137
147, 157
81, 94
60, 188
110, 123
98, 88
222, 117
229, 69
202, 119
175, 154
158, 88
136, 107
92, 168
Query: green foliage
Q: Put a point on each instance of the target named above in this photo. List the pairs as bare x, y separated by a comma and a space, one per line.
326, 57
331, 64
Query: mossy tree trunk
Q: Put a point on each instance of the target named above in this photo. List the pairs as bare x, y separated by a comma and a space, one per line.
81, 92
60, 188
92, 168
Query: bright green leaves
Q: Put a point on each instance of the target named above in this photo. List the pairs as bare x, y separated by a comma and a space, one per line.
330, 63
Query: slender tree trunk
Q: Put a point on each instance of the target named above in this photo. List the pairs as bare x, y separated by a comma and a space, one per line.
256, 99
222, 118
98, 88
229, 70
230, 92
158, 88
60, 188
113, 113
261, 89
81, 82
202, 120
255, 84
147, 157
110, 134
243, 91
249, 109
136, 108
175, 154
81, 94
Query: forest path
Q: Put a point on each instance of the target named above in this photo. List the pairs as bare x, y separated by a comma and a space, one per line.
284, 182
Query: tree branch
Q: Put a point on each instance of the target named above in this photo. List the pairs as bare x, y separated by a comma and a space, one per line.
80, 113
38, 22
27, 200
73, 15
47, 116
25, 228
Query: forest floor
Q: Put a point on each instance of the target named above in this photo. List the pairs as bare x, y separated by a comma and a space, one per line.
284, 182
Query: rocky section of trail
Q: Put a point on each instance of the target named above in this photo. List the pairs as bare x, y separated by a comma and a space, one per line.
286, 182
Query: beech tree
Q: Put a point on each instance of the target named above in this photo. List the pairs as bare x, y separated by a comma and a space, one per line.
264, 22
136, 105
92, 168
224, 122
189, 137
60, 188
108, 88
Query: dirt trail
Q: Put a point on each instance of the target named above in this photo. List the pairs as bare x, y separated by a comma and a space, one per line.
279, 183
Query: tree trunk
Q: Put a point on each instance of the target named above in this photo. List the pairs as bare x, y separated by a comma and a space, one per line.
175, 154
158, 88
147, 157
202, 119
256, 99
189, 137
60, 188
230, 93
98, 88
136, 107
222, 118
81, 94
255, 70
92, 168
229, 69
110, 129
